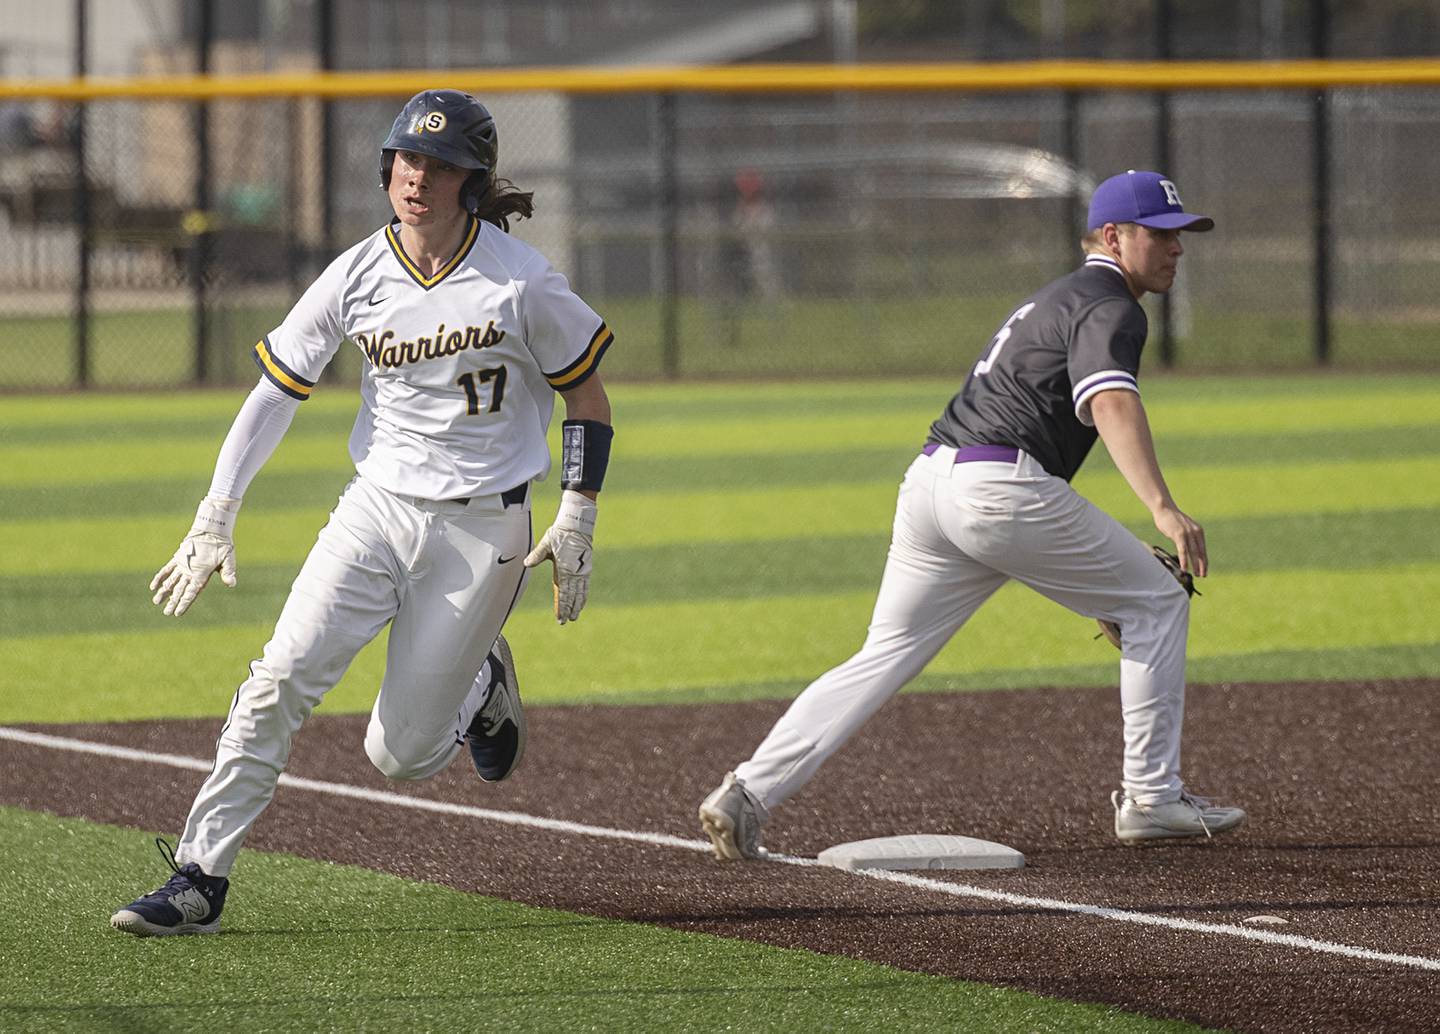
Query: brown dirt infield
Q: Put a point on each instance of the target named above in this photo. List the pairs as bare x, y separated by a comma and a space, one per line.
1339, 780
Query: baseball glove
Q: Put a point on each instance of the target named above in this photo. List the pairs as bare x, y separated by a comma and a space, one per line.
1111, 631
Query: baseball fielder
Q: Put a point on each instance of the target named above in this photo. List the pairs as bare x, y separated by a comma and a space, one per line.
468, 334
989, 499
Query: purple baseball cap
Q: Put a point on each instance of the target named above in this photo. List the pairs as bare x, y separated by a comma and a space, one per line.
1147, 198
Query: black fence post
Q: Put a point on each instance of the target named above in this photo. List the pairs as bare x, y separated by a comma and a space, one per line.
293, 239
1070, 150
325, 40
200, 217
1163, 158
1320, 158
83, 229
669, 237
315, 253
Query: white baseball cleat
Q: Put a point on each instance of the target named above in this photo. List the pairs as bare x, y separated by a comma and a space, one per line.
732, 821
1190, 816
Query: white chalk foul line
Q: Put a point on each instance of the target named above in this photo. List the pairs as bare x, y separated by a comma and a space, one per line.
959, 890
1288, 940
513, 818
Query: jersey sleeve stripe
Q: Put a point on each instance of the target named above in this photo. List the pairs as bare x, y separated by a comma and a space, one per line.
284, 378
1096, 383
586, 364
1085, 385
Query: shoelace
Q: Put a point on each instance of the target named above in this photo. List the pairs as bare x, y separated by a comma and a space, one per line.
177, 883
168, 853
1199, 804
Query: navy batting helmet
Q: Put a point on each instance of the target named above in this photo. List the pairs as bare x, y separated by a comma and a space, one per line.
451, 126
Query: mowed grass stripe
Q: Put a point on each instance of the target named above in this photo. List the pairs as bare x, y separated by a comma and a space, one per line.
116, 458
100, 410
54, 419
110, 454
1357, 662
1314, 398
118, 600
1300, 489
287, 489
1414, 405
1381, 662
174, 496
157, 493
112, 459
853, 443
1192, 395
1171, 413
676, 646
109, 543
159, 423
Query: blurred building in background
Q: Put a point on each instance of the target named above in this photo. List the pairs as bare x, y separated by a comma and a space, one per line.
723, 234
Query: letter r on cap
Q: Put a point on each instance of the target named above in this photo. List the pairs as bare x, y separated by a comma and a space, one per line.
1172, 196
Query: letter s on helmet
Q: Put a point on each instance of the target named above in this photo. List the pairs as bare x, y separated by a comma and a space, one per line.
451, 126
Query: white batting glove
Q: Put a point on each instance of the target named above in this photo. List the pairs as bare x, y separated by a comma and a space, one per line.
569, 543
209, 547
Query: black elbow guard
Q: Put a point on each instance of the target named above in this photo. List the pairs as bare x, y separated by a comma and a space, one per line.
584, 453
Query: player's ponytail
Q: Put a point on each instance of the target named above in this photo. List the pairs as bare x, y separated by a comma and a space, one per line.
503, 200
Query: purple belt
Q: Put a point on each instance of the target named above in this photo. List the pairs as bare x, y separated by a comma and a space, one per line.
978, 453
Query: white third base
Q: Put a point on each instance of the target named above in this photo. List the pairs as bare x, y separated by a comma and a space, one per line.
922, 851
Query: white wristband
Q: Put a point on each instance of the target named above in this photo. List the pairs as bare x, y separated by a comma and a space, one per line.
216, 515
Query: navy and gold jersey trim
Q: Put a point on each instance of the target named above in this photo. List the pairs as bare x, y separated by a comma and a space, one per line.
471, 233
583, 367
284, 378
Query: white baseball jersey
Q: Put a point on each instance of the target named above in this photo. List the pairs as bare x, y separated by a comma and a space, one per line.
458, 387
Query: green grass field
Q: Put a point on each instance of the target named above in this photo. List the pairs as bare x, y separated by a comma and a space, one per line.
730, 510
370, 952
741, 538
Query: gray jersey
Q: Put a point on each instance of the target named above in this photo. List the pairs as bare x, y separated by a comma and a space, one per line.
1031, 389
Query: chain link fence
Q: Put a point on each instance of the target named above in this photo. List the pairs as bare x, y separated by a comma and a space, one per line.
720, 235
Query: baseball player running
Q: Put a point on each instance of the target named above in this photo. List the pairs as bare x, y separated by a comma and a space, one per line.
989, 499
468, 334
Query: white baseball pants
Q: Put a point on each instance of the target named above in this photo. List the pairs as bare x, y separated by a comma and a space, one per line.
444, 575
961, 531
